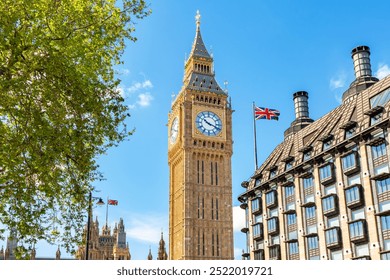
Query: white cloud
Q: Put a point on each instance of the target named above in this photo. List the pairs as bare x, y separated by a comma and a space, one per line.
144, 99
147, 84
238, 218
383, 71
337, 82
146, 228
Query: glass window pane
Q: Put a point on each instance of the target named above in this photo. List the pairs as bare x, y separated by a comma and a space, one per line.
362, 250
352, 180
358, 214
336, 255
333, 222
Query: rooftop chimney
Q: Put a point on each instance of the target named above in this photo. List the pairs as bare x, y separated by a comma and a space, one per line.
301, 104
302, 118
361, 61
363, 73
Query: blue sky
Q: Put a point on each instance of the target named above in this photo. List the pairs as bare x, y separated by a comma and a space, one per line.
266, 51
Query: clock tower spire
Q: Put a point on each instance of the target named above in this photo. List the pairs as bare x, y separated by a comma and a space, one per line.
199, 159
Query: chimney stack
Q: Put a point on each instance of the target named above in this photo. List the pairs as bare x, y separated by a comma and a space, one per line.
363, 73
302, 118
361, 61
301, 104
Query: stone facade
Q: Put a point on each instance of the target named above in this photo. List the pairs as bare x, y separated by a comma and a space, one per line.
199, 159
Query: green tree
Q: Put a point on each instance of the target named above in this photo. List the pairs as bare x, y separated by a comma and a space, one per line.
59, 110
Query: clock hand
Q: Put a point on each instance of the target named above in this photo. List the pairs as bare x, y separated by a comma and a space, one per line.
213, 125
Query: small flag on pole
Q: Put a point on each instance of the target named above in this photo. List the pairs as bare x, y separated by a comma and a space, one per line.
112, 202
262, 113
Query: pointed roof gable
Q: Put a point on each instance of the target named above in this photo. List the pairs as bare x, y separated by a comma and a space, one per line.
198, 47
199, 73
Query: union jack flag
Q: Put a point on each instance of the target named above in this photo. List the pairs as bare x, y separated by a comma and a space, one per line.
112, 202
266, 114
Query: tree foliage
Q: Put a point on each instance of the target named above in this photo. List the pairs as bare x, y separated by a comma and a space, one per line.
59, 109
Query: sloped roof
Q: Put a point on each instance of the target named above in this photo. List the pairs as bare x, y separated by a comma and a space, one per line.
332, 124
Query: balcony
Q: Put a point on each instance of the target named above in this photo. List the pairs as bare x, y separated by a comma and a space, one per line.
354, 196
330, 205
273, 226
350, 163
258, 254
274, 252
327, 175
333, 237
271, 199
362, 258
258, 231
244, 230
358, 231
244, 205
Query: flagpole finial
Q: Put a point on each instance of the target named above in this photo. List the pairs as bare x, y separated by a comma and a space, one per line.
197, 19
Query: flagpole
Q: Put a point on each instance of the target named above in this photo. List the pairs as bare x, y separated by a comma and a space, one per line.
107, 213
254, 135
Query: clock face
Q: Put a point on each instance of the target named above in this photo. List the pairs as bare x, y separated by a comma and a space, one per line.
174, 130
208, 123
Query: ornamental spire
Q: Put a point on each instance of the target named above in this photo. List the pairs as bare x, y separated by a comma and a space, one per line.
197, 20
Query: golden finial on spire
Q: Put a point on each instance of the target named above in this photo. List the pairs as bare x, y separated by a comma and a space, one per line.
197, 19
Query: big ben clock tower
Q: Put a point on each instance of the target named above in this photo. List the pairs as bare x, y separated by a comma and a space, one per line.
199, 158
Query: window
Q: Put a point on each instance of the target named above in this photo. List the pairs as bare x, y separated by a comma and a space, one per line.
358, 214
292, 235
274, 252
385, 256
385, 222
333, 222
310, 212
357, 230
353, 196
293, 248
289, 165
332, 237
384, 206
383, 185
312, 242
326, 173
258, 218
330, 189
307, 182
306, 155
273, 172
270, 198
255, 203
376, 118
362, 250
289, 191
336, 255
378, 151
349, 163
258, 254
309, 198
273, 225
380, 99
327, 144
311, 229
291, 219
329, 205
257, 231
350, 132
353, 180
